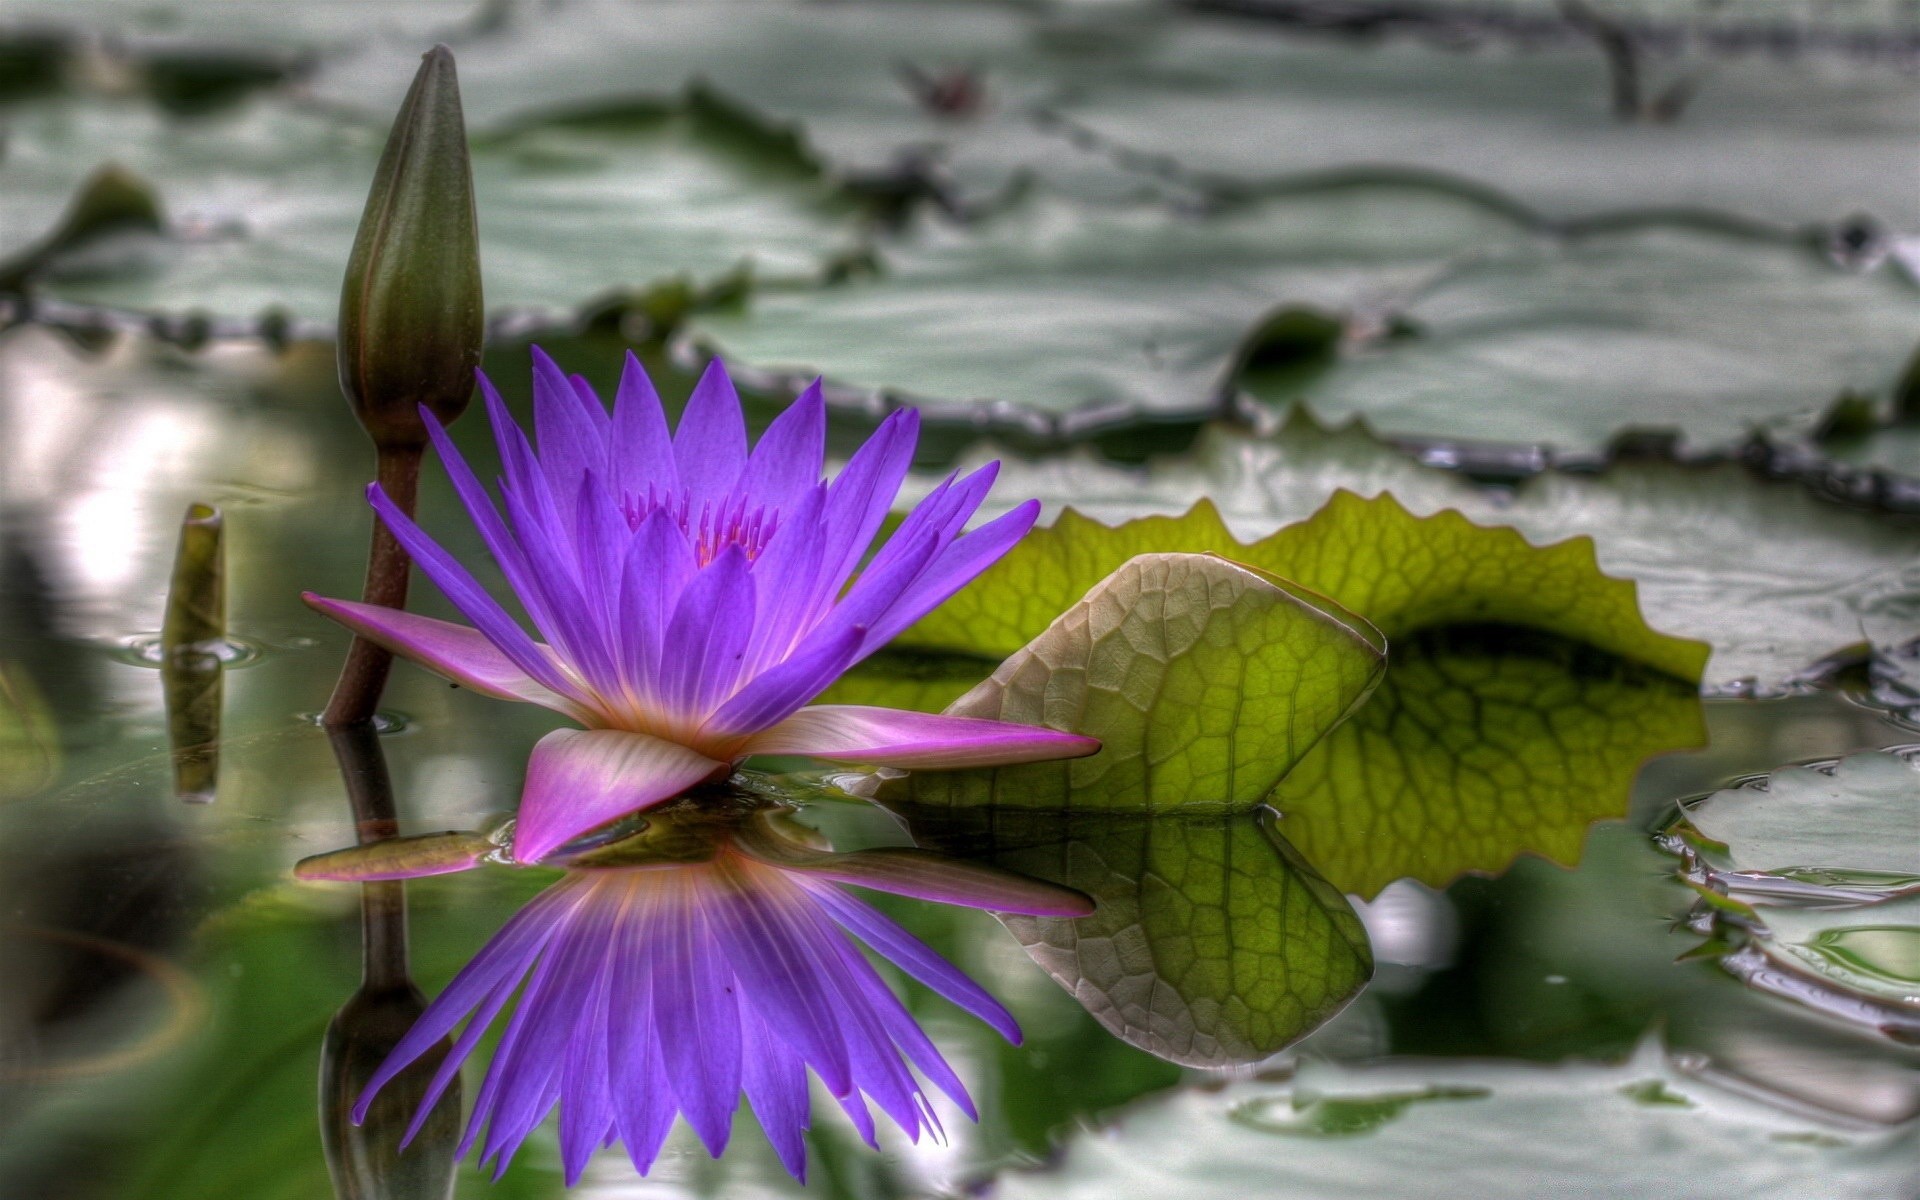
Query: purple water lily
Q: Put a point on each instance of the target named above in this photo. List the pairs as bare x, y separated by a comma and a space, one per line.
694, 595
719, 958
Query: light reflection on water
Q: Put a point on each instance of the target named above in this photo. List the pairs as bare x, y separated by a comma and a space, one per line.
1538, 964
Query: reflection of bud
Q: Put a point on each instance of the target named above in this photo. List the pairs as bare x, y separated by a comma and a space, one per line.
367, 1160
410, 309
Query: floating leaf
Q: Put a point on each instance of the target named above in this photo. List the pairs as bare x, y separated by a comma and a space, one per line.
1825, 577
1212, 941
1869, 950
1496, 1131
1860, 816
1373, 556
1204, 680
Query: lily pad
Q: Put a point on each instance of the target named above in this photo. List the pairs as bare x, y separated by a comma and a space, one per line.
1702, 334
263, 201
1240, 109
1860, 816
1491, 1130
1870, 950
1089, 306
1826, 576
1204, 680
1212, 943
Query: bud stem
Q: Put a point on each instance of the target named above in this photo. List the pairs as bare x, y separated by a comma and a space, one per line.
364, 677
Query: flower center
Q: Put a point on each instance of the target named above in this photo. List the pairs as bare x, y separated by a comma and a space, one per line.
713, 528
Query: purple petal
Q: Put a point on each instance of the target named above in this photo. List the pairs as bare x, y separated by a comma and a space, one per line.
858, 500
578, 780
486, 518
658, 565
893, 943
459, 652
642, 447
710, 444
466, 594
788, 460
793, 557
958, 565
707, 639
770, 697
578, 631
894, 737
570, 444
601, 543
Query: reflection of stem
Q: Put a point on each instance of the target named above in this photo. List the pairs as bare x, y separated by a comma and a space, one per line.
366, 1161
365, 675
383, 906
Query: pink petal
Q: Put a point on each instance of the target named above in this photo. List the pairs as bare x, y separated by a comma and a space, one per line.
580, 779
892, 737
459, 652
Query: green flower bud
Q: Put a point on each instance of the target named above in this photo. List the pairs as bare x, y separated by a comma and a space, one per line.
411, 314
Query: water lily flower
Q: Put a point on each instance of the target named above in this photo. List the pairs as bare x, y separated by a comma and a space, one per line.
693, 595
713, 956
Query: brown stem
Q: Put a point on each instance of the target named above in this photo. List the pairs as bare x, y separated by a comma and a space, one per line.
364, 676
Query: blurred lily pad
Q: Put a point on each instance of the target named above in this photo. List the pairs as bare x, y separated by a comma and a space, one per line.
1213, 942
1871, 950
1857, 818
1089, 306
1492, 1130
263, 200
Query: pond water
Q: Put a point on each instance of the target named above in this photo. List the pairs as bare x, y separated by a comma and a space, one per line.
173, 987
1569, 907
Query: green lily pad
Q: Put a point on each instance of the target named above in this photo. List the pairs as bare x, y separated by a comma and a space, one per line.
1825, 577
1205, 682
1491, 1130
1862, 816
1372, 555
1213, 942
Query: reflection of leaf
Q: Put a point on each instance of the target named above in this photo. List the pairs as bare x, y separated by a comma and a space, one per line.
1861, 815
29, 742
1213, 942
1204, 681
1490, 1131
1480, 745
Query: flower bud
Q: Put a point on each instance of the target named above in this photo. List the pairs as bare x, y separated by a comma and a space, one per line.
411, 314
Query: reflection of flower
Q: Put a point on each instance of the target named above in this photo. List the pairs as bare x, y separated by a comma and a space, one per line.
712, 960
694, 596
